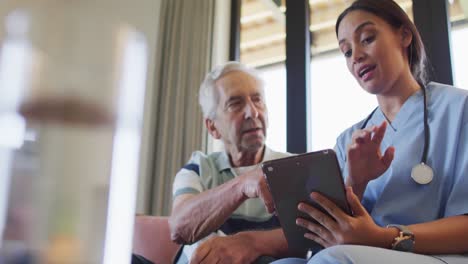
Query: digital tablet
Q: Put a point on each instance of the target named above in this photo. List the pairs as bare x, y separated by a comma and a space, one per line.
291, 180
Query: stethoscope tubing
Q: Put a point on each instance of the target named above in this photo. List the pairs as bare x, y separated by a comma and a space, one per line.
426, 126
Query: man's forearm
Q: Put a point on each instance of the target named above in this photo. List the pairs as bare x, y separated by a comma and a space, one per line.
197, 216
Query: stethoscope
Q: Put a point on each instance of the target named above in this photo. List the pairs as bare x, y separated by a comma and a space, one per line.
421, 173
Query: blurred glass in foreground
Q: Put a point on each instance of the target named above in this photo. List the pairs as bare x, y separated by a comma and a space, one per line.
72, 84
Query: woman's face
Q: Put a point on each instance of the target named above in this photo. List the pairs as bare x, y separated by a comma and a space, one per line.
374, 51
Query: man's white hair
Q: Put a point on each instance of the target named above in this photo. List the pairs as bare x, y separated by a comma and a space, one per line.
209, 97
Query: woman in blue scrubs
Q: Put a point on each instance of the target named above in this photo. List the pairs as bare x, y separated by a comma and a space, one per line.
406, 164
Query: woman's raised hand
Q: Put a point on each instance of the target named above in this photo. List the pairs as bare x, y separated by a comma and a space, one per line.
365, 160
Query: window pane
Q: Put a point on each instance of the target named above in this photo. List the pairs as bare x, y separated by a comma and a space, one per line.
263, 33
275, 89
337, 101
459, 37
263, 46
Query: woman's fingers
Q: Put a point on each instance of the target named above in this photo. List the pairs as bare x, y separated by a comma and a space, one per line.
318, 216
354, 202
332, 209
388, 156
373, 134
317, 239
361, 136
316, 230
379, 133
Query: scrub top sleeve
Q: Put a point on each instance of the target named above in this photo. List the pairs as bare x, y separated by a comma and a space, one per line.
340, 149
457, 200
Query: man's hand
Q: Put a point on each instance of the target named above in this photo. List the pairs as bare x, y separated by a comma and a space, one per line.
235, 249
194, 216
254, 185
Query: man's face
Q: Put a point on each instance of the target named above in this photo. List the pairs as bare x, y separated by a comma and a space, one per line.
241, 116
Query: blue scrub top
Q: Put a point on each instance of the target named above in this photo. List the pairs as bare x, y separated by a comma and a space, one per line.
394, 197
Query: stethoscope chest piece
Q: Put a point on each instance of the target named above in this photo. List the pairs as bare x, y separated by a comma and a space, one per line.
422, 173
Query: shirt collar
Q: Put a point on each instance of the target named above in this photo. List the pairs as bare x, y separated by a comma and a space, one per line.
223, 163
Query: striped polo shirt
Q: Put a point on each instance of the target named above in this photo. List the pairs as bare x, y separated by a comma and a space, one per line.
204, 172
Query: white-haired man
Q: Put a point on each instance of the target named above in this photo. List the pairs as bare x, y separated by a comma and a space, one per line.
222, 210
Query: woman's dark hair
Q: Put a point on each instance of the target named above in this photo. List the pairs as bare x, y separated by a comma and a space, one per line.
392, 13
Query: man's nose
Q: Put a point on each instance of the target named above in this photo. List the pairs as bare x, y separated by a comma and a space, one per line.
251, 111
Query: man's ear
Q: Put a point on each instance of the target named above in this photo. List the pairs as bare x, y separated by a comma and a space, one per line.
211, 127
406, 37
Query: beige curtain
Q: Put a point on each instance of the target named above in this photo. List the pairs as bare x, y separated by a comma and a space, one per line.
186, 35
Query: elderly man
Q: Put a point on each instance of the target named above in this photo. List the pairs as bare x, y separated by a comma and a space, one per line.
222, 207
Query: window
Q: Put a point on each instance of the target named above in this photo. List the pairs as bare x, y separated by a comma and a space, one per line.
459, 55
263, 46
459, 37
337, 101
275, 89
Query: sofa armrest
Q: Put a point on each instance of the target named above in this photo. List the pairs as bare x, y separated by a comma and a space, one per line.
151, 239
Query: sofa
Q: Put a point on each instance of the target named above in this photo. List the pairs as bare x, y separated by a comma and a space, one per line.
151, 239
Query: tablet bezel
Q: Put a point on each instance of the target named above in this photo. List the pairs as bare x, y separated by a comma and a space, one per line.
286, 177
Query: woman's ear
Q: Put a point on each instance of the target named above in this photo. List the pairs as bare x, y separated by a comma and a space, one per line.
211, 127
406, 37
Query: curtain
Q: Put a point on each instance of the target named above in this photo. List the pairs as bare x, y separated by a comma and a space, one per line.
186, 37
